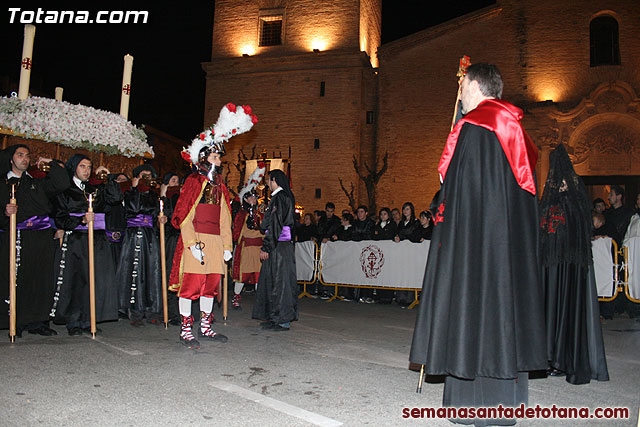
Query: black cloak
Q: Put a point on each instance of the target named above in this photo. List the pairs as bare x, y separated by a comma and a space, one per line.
481, 308
277, 291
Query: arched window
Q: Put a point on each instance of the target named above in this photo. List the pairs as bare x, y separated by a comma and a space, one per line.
605, 49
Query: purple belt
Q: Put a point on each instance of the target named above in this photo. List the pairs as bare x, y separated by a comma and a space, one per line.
285, 234
140, 220
98, 223
37, 222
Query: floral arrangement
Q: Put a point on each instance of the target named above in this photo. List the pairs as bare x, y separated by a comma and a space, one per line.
233, 120
75, 126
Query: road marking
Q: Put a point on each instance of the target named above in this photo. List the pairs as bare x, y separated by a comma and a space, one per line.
115, 347
294, 411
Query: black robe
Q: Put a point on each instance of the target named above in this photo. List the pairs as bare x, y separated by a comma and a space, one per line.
139, 277
481, 309
71, 301
34, 290
277, 292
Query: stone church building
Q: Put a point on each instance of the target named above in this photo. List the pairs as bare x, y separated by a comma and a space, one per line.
318, 78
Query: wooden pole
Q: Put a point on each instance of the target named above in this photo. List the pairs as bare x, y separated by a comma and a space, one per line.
163, 268
92, 272
13, 233
59, 92
225, 302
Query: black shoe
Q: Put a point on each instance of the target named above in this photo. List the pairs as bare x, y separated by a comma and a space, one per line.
74, 332
267, 325
553, 372
278, 328
215, 337
44, 331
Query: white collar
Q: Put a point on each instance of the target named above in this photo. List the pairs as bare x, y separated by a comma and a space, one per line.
276, 191
12, 174
78, 183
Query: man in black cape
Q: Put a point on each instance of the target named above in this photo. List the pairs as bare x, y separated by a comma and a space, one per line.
480, 321
71, 302
35, 244
276, 297
138, 276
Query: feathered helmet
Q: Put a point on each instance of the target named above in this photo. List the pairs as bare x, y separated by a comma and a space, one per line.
233, 120
253, 181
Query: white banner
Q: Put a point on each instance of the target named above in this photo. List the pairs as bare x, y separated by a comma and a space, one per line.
634, 261
305, 260
375, 263
603, 266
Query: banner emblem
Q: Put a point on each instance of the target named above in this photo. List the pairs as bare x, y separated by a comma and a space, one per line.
371, 261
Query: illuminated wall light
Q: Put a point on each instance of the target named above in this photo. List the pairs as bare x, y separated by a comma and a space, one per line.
248, 50
318, 45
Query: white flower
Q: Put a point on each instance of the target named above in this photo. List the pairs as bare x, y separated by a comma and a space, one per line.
75, 126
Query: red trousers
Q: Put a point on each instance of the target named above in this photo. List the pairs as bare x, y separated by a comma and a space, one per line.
195, 285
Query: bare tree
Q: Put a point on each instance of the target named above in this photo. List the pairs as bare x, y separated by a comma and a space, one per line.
349, 194
371, 178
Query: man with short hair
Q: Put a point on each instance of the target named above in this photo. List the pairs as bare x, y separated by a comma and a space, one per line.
276, 302
35, 246
332, 224
481, 319
362, 226
598, 205
618, 214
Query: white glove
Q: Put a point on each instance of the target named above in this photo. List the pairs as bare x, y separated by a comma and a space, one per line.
227, 256
197, 253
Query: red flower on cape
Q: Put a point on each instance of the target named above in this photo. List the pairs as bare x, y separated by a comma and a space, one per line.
233, 131
246, 109
261, 165
254, 119
202, 136
231, 107
185, 156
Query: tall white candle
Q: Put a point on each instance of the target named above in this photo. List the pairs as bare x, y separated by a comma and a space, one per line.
126, 86
59, 91
27, 61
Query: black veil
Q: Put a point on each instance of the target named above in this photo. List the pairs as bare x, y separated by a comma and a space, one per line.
282, 181
565, 212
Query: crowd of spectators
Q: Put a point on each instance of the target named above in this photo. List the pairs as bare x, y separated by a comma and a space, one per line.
388, 224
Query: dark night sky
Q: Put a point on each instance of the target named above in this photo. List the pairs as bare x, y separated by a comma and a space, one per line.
168, 81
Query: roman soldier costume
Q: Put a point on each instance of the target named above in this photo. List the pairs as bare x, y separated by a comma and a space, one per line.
203, 214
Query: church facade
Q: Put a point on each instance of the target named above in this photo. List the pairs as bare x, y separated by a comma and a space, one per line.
321, 83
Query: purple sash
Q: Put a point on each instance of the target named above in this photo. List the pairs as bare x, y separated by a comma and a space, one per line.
98, 223
37, 222
140, 220
113, 236
285, 235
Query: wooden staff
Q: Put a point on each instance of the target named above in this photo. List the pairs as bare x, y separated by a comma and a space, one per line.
462, 71
92, 271
13, 233
163, 268
225, 303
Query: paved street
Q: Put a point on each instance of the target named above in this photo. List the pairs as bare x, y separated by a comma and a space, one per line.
342, 363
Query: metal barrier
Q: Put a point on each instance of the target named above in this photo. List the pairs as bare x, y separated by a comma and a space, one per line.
318, 278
